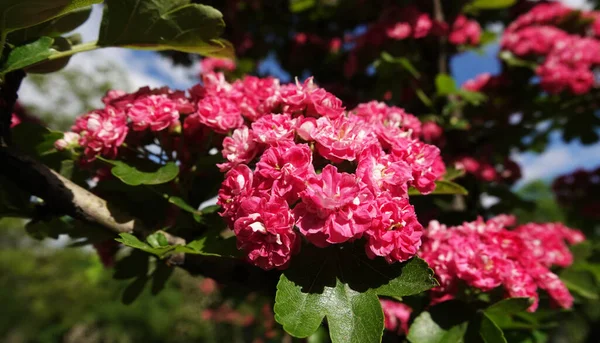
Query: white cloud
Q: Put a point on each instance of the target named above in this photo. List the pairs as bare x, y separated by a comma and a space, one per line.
558, 159
579, 4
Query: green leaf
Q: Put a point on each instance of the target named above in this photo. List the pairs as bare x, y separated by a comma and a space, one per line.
179, 202
491, 4
453, 173
508, 306
514, 61
132, 241
134, 289
352, 316
164, 25
134, 177
444, 323
403, 61
212, 244
26, 55
18, 14
49, 66
489, 331
442, 187
301, 5
51, 28
34, 139
328, 282
581, 282
160, 276
445, 84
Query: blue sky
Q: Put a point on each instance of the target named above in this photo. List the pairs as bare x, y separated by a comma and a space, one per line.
148, 68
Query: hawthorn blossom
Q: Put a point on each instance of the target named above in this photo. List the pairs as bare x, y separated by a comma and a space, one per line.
465, 31
283, 169
334, 208
69, 140
485, 255
264, 230
101, 132
219, 114
395, 233
156, 112
272, 129
396, 316
240, 147
342, 138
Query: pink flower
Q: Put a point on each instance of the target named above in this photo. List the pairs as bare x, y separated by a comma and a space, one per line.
486, 255
342, 138
101, 132
211, 64
465, 31
69, 140
396, 233
399, 31
432, 132
156, 112
272, 129
239, 148
546, 242
425, 162
396, 316
260, 96
14, 120
378, 170
283, 169
334, 208
264, 230
478, 83
422, 26
235, 188
305, 127
219, 114
321, 103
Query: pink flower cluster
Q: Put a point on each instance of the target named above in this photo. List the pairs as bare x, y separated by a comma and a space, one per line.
298, 165
486, 255
212, 64
567, 59
396, 315
103, 131
508, 171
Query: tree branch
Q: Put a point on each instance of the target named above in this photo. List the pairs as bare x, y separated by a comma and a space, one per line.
438, 13
8, 98
62, 196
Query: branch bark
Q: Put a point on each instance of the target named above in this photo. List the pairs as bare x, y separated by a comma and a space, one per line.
62, 196
438, 13
8, 98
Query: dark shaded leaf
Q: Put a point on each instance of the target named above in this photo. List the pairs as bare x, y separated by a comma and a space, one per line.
52, 28
28, 54
19, 14
164, 25
160, 276
134, 289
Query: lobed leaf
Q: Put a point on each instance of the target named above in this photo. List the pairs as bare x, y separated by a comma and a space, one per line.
134, 177
164, 25
342, 285
28, 54
442, 187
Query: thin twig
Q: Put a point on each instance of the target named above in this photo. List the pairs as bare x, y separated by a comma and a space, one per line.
438, 13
